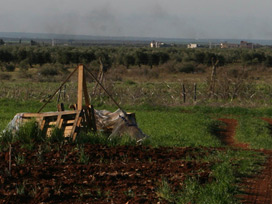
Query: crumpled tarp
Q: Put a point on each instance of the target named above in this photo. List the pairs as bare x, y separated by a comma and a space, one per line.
14, 125
118, 123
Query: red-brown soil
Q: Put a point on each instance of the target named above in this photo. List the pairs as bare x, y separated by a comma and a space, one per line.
258, 188
124, 174
227, 133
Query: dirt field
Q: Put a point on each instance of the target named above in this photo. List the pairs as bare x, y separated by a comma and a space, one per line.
117, 174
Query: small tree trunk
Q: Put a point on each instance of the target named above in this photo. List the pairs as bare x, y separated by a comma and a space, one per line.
184, 93
195, 88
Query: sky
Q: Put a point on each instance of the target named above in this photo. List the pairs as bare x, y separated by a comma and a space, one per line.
195, 19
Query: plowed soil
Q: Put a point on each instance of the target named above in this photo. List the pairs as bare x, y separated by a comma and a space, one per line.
96, 174
258, 188
125, 174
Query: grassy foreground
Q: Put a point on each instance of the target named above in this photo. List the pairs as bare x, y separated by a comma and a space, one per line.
194, 127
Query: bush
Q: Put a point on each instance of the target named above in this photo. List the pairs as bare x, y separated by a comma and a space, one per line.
57, 136
29, 134
10, 68
187, 68
6, 138
49, 71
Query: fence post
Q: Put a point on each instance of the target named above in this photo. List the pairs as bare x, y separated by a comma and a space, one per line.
59, 95
184, 93
195, 87
64, 92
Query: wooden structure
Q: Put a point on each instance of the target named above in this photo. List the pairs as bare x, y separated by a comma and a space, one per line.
70, 121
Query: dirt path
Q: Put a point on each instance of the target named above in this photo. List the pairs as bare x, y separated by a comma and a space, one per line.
257, 189
227, 133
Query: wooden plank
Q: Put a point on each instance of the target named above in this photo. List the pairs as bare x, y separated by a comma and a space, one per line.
42, 124
52, 123
48, 114
49, 131
69, 122
58, 121
60, 107
80, 87
86, 95
75, 124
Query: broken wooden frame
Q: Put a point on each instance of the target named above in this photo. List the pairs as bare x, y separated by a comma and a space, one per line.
72, 121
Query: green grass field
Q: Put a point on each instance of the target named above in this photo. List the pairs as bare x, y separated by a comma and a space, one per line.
193, 127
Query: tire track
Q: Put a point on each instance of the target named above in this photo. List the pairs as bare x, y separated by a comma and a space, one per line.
256, 189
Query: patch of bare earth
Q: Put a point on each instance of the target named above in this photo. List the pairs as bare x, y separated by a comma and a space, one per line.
227, 133
124, 174
258, 188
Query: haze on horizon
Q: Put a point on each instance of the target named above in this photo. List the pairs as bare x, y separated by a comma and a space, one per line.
236, 19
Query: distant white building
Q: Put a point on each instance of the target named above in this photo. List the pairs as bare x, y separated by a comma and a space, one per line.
155, 44
193, 45
53, 43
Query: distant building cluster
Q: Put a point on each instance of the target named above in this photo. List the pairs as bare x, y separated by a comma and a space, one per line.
156, 44
243, 44
225, 45
193, 45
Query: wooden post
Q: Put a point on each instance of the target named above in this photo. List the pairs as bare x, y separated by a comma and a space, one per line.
80, 87
213, 77
59, 95
85, 91
195, 87
64, 92
184, 93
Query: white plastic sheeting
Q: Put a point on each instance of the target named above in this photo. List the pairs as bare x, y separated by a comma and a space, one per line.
15, 123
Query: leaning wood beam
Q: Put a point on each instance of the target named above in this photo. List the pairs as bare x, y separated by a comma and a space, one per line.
58, 121
75, 125
58, 89
86, 95
80, 87
90, 73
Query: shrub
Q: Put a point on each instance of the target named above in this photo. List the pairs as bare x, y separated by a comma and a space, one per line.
57, 136
187, 68
10, 68
6, 138
29, 133
49, 71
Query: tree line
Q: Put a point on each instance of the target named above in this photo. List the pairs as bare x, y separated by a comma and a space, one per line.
29, 56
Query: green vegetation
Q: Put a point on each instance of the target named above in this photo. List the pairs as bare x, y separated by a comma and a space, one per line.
173, 127
178, 129
255, 132
229, 166
135, 79
27, 56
